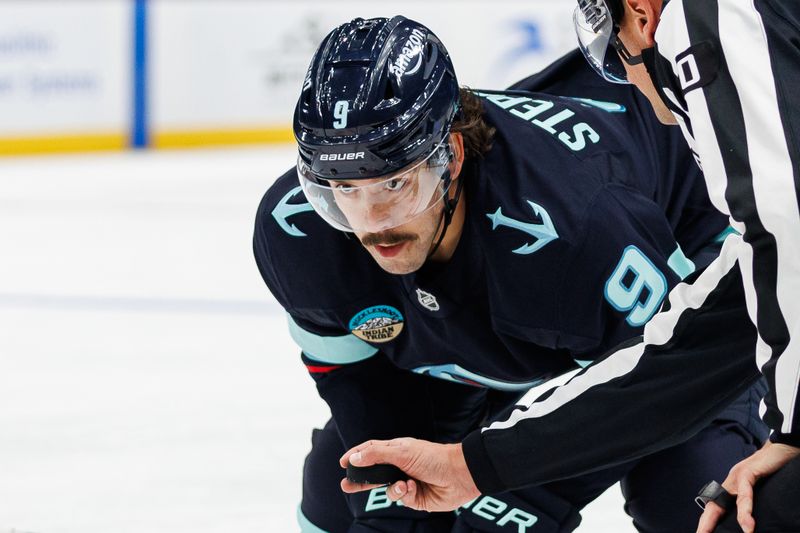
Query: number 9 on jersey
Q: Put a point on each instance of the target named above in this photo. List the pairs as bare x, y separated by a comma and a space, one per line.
636, 285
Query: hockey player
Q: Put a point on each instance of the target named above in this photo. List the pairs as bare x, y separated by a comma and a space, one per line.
727, 73
492, 240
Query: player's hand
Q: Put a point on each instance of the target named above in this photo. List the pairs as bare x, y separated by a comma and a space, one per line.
740, 481
441, 480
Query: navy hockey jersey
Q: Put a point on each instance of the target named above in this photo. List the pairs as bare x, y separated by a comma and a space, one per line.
574, 233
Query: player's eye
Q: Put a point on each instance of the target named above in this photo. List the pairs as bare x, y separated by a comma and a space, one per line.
395, 184
344, 188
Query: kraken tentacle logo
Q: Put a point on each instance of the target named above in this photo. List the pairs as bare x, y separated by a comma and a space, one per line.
544, 232
380, 323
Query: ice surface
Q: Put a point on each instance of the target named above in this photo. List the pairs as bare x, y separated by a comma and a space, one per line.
147, 379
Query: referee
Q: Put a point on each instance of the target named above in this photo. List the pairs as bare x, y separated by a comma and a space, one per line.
728, 73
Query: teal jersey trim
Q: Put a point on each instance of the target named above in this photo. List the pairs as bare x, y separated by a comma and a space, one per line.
305, 524
724, 234
453, 372
608, 107
583, 363
680, 264
343, 350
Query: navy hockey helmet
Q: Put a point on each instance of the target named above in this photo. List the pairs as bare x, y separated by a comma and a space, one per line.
597, 27
378, 101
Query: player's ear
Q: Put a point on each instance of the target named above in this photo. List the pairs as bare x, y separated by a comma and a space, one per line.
641, 17
457, 148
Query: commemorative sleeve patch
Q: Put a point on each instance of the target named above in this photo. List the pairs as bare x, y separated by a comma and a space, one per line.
380, 323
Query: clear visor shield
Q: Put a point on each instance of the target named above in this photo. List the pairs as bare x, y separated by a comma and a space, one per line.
595, 29
378, 204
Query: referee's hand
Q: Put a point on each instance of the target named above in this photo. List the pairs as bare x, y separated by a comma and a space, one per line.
740, 482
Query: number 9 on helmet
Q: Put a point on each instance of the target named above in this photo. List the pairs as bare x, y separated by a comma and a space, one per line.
372, 124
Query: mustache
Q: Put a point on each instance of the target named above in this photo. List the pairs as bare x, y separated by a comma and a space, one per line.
386, 238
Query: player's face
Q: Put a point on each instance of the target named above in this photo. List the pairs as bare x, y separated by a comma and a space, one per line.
379, 204
401, 249
404, 249
398, 218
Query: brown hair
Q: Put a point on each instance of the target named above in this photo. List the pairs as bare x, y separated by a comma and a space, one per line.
478, 135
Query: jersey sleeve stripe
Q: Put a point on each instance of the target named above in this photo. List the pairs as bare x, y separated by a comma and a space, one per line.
680, 264
340, 350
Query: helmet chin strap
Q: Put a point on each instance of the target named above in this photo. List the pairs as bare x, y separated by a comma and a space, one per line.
450, 205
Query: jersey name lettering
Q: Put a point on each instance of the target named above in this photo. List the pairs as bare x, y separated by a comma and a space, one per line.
575, 138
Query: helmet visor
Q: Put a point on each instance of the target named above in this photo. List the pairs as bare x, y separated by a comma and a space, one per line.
379, 204
595, 29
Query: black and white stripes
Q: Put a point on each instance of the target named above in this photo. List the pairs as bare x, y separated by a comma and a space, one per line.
744, 125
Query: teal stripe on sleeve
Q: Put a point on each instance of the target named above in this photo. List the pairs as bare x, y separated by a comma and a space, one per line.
342, 350
680, 264
724, 234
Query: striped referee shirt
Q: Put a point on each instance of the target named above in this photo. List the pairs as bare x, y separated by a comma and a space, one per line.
728, 72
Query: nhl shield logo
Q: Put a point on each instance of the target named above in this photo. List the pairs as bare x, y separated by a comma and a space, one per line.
427, 300
380, 323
